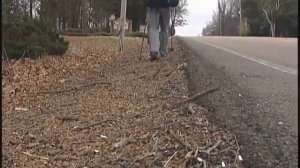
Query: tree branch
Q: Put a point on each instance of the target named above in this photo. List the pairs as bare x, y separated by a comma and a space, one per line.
267, 16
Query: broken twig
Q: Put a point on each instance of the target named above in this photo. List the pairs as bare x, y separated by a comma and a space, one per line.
90, 125
195, 97
208, 151
181, 141
57, 155
170, 159
75, 88
67, 118
80, 142
141, 158
190, 109
238, 149
35, 156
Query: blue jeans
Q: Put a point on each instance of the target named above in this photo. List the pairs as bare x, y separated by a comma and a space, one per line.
158, 19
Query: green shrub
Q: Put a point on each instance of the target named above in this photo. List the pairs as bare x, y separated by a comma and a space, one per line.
31, 39
138, 34
74, 30
245, 31
35, 51
79, 33
105, 34
94, 31
58, 48
16, 50
67, 33
13, 49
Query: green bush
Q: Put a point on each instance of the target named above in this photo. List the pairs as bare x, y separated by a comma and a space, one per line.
58, 48
31, 39
74, 30
94, 30
15, 50
105, 34
67, 33
138, 34
245, 31
35, 51
79, 33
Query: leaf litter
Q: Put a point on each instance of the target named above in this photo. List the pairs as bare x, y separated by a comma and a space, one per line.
97, 107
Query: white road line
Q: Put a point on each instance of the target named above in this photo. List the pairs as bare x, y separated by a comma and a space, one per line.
257, 60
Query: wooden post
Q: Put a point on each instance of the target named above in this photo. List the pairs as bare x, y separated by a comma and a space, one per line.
122, 23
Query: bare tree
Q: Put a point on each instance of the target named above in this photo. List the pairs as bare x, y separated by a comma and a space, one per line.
84, 10
181, 12
222, 5
270, 9
231, 18
31, 9
225, 20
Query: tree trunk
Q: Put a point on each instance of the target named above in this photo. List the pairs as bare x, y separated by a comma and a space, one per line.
107, 24
220, 24
271, 22
54, 21
274, 29
85, 15
30, 9
64, 23
42, 12
73, 22
60, 23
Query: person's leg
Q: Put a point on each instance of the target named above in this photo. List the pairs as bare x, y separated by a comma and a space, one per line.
153, 30
165, 28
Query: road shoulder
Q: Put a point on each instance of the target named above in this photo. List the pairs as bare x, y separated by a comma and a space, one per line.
235, 108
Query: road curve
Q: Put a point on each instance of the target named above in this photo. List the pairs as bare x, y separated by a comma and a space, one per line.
258, 98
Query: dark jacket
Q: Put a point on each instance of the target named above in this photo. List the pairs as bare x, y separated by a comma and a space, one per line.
161, 3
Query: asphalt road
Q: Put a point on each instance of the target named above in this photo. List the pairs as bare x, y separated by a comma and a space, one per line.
258, 96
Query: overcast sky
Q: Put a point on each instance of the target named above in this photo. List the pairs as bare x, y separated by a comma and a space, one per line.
200, 12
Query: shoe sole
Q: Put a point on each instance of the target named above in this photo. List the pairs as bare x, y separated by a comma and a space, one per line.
153, 59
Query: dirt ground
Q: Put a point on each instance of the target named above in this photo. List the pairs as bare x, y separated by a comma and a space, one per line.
96, 107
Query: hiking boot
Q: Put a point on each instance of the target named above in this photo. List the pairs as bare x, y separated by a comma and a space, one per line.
163, 54
153, 56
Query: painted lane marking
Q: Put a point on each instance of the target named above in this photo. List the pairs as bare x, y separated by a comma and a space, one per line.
257, 60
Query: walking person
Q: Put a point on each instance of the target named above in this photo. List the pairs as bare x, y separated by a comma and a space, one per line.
158, 18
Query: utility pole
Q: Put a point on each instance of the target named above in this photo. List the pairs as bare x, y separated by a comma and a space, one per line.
122, 23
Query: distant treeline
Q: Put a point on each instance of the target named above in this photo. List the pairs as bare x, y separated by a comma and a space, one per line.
275, 18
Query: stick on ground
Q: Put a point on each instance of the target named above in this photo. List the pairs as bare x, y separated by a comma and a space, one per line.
57, 155
238, 149
141, 158
181, 141
74, 88
35, 156
208, 151
68, 118
91, 125
190, 109
170, 159
195, 97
